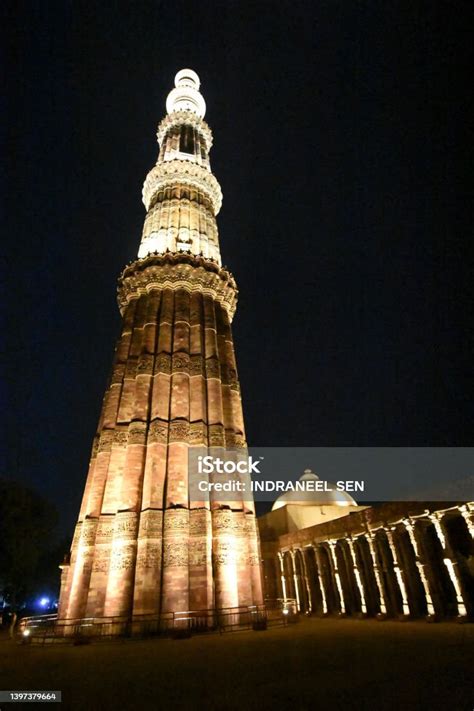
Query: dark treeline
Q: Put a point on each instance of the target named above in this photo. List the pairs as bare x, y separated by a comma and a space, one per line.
30, 550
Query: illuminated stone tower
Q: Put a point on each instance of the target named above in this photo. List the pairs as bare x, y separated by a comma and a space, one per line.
140, 546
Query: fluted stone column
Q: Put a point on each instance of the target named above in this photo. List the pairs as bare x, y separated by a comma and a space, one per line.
253, 558
147, 587
378, 575
282, 575
306, 582
335, 570
397, 570
357, 577
320, 580
296, 580
467, 512
120, 581
226, 554
175, 574
100, 567
420, 564
450, 565
201, 584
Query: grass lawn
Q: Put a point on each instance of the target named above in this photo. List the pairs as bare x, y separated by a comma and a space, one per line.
316, 664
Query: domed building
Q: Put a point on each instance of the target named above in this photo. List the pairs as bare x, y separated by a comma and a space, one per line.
325, 555
324, 495
320, 502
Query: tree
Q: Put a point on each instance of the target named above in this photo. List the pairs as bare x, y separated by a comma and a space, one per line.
27, 527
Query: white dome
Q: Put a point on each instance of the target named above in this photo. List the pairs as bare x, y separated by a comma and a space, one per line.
327, 496
186, 96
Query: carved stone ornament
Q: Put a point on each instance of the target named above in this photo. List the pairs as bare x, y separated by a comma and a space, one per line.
89, 528
180, 363
176, 520
95, 447
105, 442
101, 560
177, 270
175, 554
150, 557
216, 436
145, 364
182, 172
105, 530
163, 364
199, 522
179, 118
222, 521
151, 524
196, 367
125, 525
122, 557
121, 437
224, 553
158, 432
179, 431
198, 433
199, 554
137, 433
235, 440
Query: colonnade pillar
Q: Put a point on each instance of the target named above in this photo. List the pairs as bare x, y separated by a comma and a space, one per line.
450, 565
377, 573
397, 570
282, 575
332, 555
360, 587
421, 566
320, 580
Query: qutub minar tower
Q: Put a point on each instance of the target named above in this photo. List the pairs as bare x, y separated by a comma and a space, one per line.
140, 545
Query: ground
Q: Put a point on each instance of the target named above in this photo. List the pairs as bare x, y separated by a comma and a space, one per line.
316, 664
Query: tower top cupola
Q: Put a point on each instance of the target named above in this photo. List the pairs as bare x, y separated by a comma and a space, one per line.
180, 193
186, 96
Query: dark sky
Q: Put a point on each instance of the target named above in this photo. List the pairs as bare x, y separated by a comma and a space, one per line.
343, 147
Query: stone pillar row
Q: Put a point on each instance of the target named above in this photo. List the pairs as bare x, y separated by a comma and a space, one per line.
139, 546
463, 600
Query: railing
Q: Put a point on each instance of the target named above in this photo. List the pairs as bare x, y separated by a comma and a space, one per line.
45, 629
287, 607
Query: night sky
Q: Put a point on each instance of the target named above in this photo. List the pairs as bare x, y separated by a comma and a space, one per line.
343, 146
